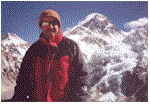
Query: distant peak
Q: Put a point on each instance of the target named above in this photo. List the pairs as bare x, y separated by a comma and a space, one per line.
97, 16
12, 34
12, 38
8, 36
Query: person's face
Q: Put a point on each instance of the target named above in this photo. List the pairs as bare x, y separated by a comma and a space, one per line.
49, 27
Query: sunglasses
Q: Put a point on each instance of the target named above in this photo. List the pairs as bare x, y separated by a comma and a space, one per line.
46, 23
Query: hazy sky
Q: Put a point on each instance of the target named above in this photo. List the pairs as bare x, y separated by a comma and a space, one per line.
22, 17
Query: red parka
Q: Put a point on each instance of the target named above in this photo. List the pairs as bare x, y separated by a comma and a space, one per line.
52, 71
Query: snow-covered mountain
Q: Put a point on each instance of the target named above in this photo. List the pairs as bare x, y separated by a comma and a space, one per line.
13, 49
110, 53
94, 32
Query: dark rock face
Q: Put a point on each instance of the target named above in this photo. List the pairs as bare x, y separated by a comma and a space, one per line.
142, 94
132, 85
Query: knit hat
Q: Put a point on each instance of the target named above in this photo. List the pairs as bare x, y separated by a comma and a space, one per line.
49, 13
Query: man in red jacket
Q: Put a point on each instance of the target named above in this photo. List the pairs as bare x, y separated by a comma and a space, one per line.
53, 67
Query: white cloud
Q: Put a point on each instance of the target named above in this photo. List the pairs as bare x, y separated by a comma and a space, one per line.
136, 23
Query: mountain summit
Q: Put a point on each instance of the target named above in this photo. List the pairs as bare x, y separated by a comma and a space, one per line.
10, 41
95, 31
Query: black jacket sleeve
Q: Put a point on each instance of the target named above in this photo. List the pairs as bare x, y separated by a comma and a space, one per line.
23, 84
